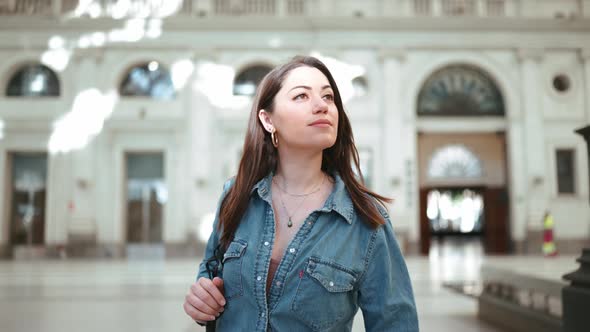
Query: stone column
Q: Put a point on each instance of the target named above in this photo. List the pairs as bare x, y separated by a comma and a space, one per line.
480, 8
585, 58
436, 8
59, 186
202, 133
4, 202
585, 8
281, 9
515, 149
81, 205
535, 158
70, 209
392, 117
177, 157
396, 146
56, 8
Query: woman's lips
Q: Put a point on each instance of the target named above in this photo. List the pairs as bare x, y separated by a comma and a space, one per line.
321, 123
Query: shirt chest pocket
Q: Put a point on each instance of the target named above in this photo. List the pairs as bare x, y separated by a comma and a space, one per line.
325, 295
232, 269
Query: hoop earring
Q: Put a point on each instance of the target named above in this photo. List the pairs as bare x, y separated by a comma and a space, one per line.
274, 139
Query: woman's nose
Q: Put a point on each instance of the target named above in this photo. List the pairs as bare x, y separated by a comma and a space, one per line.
320, 106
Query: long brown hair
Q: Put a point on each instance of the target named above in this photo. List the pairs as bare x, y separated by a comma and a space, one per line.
259, 156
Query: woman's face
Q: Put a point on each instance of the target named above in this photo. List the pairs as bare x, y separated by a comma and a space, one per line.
304, 116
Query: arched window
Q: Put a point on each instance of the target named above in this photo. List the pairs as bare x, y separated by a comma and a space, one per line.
454, 161
247, 81
33, 80
460, 90
148, 79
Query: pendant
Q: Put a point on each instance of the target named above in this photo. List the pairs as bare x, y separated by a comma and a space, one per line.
289, 223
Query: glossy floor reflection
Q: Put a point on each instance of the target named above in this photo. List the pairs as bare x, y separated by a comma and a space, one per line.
72, 295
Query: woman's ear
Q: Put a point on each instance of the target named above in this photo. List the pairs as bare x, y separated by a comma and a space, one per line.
266, 121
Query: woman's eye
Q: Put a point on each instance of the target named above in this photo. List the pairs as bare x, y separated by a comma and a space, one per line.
299, 97
329, 97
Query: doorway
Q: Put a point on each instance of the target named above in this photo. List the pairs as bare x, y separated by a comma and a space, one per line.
146, 195
474, 216
27, 190
463, 190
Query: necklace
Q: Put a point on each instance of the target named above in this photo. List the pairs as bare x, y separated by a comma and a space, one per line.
290, 222
300, 195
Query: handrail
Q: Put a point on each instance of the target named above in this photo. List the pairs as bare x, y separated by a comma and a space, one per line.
520, 281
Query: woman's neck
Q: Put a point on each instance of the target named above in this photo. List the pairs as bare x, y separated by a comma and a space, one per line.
299, 172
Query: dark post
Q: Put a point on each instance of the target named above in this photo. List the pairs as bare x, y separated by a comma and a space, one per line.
575, 298
585, 132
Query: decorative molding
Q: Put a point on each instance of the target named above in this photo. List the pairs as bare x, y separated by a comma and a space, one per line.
96, 54
398, 54
584, 54
535, 54
205, 55
328, 52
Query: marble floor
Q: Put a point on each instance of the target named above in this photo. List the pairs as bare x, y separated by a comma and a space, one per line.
125, 295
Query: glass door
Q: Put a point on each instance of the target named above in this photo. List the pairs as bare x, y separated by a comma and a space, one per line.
146, 197
27, 191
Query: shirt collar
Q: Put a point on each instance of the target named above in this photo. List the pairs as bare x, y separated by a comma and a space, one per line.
338, 201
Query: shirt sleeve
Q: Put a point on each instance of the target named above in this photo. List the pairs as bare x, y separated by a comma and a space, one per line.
385, 295
214, 237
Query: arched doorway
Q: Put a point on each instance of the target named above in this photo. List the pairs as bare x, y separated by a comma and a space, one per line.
462, 164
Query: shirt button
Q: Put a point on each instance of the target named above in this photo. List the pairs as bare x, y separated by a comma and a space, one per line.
292, 250
279, 283
266, 243
331, 284
259, 278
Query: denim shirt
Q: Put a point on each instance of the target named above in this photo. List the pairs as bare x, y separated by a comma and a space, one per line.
335, 264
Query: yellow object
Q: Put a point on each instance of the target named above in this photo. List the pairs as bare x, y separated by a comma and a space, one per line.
548, 222
549, 248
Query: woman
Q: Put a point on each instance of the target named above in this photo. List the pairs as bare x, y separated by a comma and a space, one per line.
306, 243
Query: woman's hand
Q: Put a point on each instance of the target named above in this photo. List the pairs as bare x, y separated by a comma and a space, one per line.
205, 301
